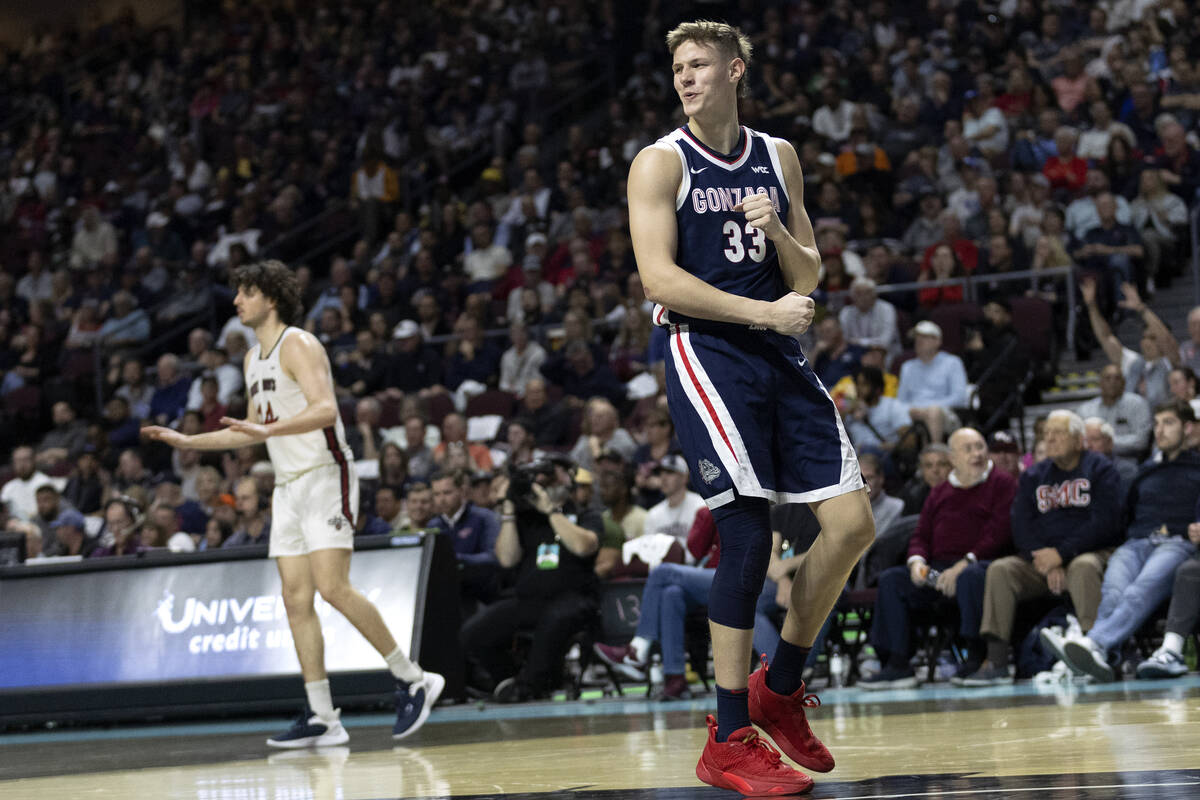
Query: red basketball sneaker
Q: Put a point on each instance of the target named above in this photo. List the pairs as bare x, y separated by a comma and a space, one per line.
783, 720
747, 763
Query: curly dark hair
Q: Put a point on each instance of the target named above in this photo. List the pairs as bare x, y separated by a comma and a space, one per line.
276, 282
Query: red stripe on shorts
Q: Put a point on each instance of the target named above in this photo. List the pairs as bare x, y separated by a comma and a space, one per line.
340, 458
703, 395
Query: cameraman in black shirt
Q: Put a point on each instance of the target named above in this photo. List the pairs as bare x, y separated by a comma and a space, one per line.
552, 545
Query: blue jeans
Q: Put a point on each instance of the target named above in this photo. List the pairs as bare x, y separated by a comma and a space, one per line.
1138, 579
766, 635
671, 591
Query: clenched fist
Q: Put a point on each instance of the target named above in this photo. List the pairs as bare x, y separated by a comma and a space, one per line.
760, 212
791, 314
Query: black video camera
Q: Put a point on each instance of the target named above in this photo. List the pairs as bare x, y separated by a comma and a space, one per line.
521, 479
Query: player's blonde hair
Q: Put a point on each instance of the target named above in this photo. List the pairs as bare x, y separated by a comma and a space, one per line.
726, 38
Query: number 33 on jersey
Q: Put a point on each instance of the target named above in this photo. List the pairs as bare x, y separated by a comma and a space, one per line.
716, 243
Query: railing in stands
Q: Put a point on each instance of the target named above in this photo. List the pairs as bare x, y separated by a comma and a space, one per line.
100, 350
970, 293
272, 247
970, 284
471, 165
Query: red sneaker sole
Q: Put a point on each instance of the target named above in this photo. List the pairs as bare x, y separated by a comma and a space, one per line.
727, 780
803, 759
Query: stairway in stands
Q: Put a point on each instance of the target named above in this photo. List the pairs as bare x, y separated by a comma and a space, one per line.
1079, 380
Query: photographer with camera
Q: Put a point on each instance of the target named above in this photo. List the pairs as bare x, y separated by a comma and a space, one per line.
551, 545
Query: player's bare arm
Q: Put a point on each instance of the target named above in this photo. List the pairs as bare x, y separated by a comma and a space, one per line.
654, 180
229, 438
799, 259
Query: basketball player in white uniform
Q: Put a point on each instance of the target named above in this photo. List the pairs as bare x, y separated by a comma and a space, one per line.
291, 406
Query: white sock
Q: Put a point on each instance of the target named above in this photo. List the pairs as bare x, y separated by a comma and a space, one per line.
1173, 642
641, 648
401, 667
319, 699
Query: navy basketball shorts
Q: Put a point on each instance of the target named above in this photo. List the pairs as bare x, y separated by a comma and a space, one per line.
753, 417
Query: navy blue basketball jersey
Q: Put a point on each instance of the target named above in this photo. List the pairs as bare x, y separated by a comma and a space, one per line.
715, 243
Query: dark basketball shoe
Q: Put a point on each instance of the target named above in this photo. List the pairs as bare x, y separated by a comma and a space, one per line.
309, 730
783, 719
414, 701
747, 763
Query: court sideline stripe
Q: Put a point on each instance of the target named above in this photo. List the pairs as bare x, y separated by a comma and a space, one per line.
1180, 689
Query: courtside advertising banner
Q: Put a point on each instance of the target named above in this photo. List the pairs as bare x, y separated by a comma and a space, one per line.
211, 620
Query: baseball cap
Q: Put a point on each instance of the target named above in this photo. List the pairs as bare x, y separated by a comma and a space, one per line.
672, 463
157, 219
405, 328
536, 237
69, 517
584, 477
1003, 442
927, 328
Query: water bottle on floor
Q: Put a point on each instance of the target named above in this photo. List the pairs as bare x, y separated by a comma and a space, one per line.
837, 667
656, 674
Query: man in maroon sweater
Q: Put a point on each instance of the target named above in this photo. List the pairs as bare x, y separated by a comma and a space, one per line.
964, 524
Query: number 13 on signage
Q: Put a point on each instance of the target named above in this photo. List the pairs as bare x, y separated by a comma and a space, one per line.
735, 251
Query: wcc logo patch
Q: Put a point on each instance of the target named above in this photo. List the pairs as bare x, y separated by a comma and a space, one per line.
709, 471
336, 522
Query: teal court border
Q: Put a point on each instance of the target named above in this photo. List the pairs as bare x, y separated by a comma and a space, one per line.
933, 697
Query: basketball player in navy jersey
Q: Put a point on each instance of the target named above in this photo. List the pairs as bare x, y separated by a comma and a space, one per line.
726, 249
291, 407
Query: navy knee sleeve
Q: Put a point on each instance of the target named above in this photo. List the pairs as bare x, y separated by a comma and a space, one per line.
745, 530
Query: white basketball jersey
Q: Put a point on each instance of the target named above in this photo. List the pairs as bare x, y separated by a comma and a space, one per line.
277, 396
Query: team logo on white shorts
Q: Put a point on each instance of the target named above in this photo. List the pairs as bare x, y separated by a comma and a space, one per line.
336, 522
709, 471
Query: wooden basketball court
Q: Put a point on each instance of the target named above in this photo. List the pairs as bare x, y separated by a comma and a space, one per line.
1131, 740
